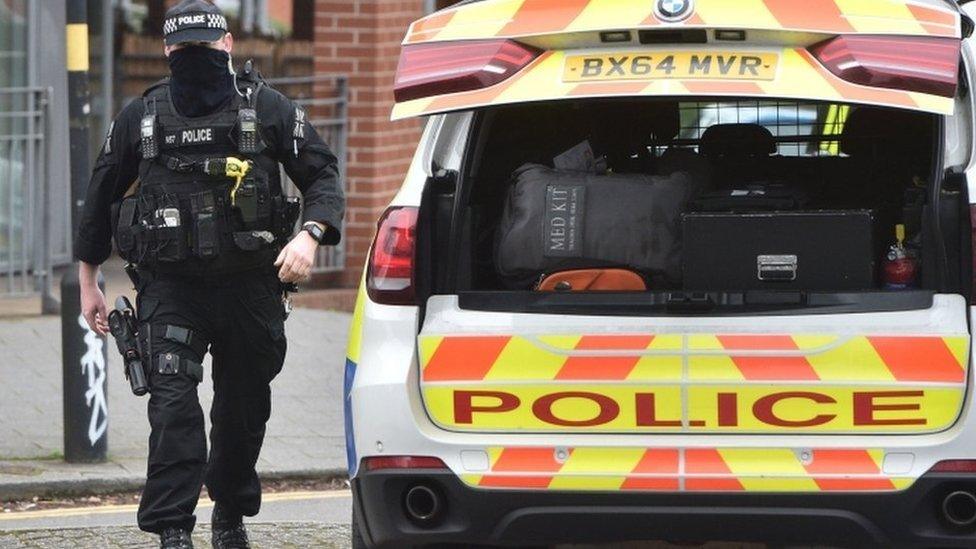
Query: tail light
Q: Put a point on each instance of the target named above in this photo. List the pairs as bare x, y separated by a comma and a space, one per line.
390, 273
451, 67
910, 63
402, 462
954, 466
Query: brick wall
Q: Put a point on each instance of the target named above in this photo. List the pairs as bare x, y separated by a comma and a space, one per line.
362, 38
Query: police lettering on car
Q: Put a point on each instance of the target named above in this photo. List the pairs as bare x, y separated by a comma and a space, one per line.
188, 185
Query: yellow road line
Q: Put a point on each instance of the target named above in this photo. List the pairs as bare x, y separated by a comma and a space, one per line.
131, 508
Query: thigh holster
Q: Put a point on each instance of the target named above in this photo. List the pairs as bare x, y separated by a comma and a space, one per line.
171, 364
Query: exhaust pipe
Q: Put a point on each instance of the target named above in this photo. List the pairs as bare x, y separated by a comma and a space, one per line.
423, 504
959, 508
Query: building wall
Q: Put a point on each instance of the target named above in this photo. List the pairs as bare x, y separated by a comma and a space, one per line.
362, 38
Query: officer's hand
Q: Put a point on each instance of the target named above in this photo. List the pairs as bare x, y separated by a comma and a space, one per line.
93, 308
296, 258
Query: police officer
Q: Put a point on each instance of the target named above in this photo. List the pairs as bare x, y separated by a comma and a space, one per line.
188, 184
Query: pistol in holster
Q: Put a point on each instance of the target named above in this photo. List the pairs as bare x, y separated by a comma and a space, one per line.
125, 329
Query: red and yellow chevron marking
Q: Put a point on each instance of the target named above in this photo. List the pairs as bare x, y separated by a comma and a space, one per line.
759, 358
800, 76
694, 383
527, 18
687, 470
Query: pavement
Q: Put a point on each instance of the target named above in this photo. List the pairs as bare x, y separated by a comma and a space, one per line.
273, 536
304, 437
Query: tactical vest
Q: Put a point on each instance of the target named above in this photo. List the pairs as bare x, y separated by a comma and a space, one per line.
204, 203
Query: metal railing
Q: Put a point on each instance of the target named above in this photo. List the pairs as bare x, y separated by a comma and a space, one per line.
25, 201
326, 100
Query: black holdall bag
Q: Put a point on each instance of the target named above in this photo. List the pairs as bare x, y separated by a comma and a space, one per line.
556, 220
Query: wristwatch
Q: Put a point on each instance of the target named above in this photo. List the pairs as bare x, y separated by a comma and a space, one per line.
314, 229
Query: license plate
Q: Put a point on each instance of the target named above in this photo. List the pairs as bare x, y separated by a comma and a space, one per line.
678, 66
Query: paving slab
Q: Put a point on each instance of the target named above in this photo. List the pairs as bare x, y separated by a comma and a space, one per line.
304, 436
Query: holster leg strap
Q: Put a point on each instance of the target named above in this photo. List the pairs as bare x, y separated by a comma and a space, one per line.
171, 364
185, 337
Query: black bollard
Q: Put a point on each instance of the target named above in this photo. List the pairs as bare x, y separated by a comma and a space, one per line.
84, 359
83, 353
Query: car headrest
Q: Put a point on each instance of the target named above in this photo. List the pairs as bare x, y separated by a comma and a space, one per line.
737, 140
638, 122
896, 131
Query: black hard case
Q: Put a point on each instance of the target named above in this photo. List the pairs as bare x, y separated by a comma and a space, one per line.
833, 250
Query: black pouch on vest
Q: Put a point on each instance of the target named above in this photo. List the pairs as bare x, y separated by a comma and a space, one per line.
253, 201
171, 244
168, 232
286, 212
126, 216
205, 236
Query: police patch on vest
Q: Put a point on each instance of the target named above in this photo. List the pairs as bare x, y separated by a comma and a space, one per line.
564, 221
195, 136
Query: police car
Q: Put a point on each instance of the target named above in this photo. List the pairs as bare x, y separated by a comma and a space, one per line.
786, 356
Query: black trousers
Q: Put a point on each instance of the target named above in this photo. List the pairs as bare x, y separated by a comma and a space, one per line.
240, 320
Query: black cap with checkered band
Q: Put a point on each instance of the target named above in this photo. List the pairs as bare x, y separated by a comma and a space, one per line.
193, 21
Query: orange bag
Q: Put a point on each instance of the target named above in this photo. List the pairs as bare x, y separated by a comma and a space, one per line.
593, 280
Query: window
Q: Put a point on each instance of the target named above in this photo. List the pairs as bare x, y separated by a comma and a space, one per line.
799, 128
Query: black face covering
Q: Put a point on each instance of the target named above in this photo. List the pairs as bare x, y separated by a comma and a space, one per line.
201, 80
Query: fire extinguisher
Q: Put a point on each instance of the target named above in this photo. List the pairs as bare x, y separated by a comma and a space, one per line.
901, 265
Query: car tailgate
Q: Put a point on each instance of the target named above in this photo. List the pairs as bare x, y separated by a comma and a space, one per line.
562, 36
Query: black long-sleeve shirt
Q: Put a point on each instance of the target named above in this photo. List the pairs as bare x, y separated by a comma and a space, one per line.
314, 171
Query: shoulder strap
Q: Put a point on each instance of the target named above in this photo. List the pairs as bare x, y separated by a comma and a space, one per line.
156, 88
153, 95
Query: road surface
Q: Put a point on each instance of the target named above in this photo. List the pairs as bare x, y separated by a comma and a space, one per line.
299, 520
288, 519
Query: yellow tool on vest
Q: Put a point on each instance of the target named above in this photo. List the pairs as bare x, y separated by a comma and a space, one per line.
237, 169
232, 167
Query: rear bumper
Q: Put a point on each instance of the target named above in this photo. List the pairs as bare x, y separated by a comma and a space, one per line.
911, 518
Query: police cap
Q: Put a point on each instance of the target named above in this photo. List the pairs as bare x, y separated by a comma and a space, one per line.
193, 21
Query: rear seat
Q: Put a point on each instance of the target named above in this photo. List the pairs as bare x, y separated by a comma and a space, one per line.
680, 159
739, 152
623, 129
884, 151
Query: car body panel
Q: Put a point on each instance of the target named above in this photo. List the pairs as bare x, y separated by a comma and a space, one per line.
785, 29
500, 474
389, 418
520, 19
799, 76
507, 372
689, 470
